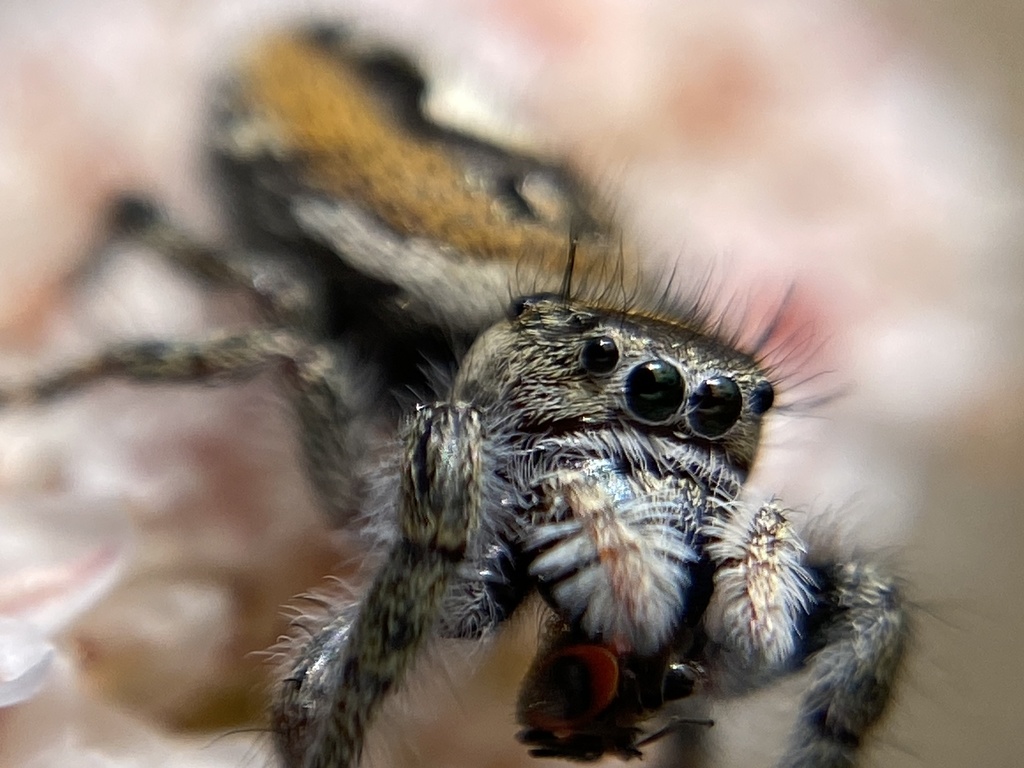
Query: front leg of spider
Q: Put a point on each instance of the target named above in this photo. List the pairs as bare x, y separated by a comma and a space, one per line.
857, 630
771, 611
335, 687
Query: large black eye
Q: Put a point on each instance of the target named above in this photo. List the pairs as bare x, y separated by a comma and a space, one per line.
600, 355
715, 406
654, 391
762, 397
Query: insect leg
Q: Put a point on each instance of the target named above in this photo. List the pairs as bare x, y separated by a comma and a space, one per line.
857, 633
325, 705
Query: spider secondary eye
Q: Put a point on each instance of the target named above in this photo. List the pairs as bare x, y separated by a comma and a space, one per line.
655, 390
600, 355
762, 397
715, 406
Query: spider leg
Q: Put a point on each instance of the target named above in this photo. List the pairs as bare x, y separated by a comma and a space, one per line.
284, 289
771, 613
330, 407
482, 595
326, 703
856, 637
395, 319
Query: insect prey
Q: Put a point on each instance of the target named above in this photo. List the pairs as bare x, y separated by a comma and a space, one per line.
589, 452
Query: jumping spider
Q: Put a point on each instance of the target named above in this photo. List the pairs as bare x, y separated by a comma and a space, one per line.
588, 449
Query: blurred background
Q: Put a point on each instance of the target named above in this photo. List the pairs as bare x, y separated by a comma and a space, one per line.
866, 156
